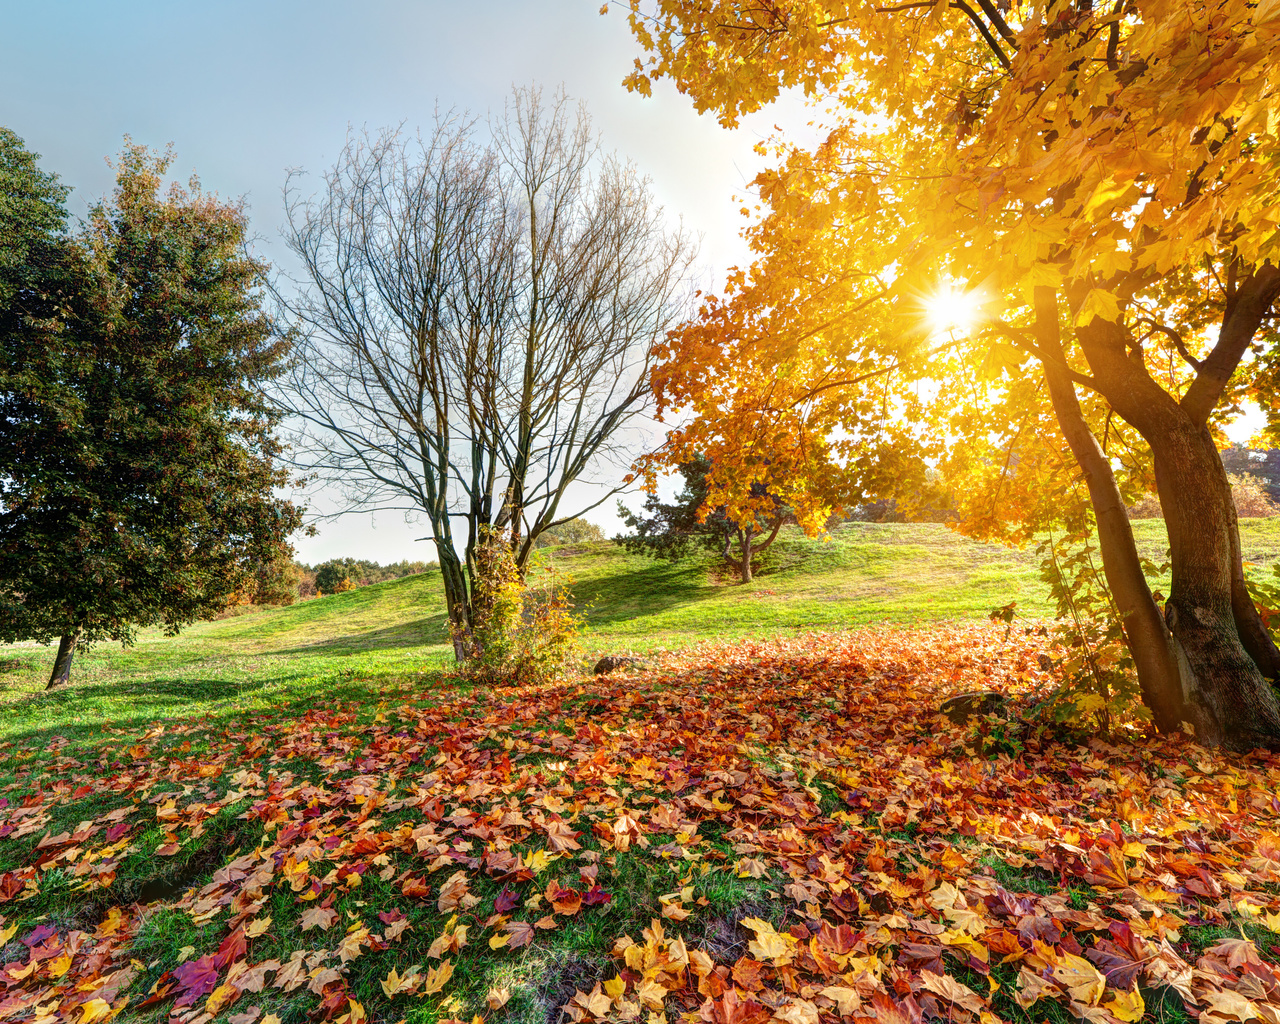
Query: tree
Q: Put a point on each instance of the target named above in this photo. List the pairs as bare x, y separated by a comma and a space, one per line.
571, 531
1098, 183
694, 520
137, 454
478, 323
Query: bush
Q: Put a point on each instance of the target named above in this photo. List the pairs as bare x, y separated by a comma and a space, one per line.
1248, 492
331, 577
518, 633
572, 531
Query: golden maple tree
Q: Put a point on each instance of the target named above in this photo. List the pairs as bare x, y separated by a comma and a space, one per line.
1101, 178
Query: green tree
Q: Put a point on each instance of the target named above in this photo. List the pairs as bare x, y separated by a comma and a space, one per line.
571, 531
137, 454
672, 530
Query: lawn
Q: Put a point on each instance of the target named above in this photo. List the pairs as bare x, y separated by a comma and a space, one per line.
299, 813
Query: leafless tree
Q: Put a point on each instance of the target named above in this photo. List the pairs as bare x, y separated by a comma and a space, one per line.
476, 323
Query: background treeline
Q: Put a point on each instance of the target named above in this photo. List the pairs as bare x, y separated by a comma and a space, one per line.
286, 580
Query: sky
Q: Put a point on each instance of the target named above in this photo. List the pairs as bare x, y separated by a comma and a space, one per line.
247, 91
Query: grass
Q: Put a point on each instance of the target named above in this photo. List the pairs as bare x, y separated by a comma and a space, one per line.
356, 642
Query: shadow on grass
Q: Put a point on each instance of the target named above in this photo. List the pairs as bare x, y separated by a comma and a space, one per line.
166, 701
655, 588
430, 630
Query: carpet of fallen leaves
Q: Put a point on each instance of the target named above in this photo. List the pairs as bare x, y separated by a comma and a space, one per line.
919, 873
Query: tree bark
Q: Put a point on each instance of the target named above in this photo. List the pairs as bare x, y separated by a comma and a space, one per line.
1223, 694
1154, 655
457, 599
61, 674
1229, 702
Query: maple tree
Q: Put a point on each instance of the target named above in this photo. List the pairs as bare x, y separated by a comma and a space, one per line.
477, 324
364, 854
139, 457
1101, 179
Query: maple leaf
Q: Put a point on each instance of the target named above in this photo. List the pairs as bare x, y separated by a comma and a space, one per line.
521, 933
221, 997
560, 837
1126, 1005
497, 997
395, 983
318, 916
506, 901
257, 927
596, 1002
769, 944
953, 991
455, 894
563, 901
1080, 978
195, 979
437, 977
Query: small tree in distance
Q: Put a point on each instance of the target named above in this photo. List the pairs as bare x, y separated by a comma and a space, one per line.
673, 530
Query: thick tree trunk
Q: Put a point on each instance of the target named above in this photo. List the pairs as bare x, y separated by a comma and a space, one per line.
1154, 655
61, 674
1229, 702
1223, 694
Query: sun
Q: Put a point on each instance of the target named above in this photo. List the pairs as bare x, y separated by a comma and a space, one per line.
952, 310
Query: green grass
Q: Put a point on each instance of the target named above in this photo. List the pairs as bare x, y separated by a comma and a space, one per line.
378, 635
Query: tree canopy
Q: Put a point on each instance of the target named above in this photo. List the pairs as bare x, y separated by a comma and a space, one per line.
1091, 192
138, 459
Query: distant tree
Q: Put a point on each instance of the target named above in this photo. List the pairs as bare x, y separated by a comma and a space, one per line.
571, 531
673, 530
331, 575
137, 455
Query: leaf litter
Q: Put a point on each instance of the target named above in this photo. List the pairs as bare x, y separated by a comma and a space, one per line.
917, 876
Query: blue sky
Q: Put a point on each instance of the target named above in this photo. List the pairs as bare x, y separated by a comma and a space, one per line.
247, 90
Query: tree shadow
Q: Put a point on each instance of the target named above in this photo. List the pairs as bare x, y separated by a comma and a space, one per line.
168, 701
433, 629
623, 596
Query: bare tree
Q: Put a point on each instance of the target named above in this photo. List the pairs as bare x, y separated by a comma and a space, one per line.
476, 323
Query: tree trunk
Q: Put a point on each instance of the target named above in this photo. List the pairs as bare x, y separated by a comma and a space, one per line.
1154, 654
457, 599
746, 556
1222, 693
61, 674
1228, 701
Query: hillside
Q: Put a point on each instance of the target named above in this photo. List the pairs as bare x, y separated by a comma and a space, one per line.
865, 573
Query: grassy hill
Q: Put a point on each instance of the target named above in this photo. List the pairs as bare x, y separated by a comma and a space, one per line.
864, 573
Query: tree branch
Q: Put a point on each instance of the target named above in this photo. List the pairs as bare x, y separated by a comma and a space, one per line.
1245, 311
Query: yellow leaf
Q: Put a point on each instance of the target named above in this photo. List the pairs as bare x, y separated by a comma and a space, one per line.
437, 978
769, 944
220, 998
1127, 1006
258, 926
94, 1010
498, 941
846, 999
1082, 980
497, 997
615, 988
58, 967
7, 933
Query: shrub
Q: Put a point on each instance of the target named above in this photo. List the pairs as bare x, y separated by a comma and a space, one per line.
1248, 492
571, 531
331, 577
518, 633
